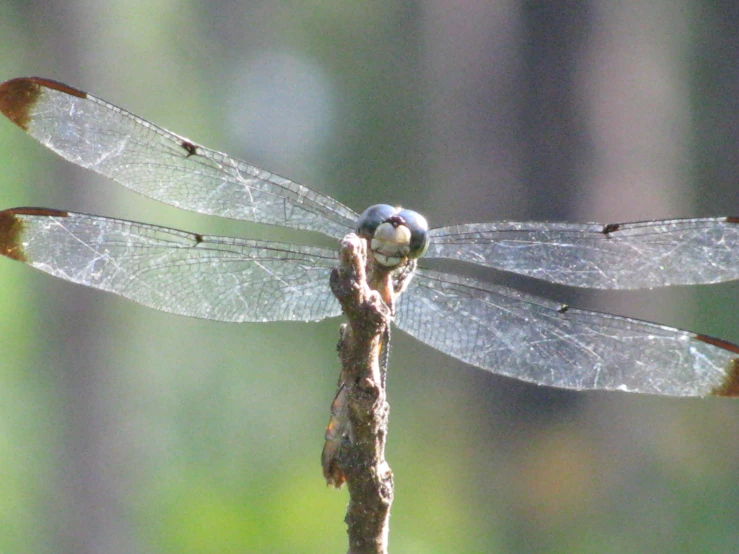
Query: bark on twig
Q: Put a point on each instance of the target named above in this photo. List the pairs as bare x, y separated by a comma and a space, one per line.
355, 452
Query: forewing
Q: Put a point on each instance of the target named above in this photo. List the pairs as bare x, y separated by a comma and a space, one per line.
614, 256
152, 161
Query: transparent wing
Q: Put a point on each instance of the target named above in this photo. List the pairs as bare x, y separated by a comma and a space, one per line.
221, 278
614, 256
542, 342
161, 165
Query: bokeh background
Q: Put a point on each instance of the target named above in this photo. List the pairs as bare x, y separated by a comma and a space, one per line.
125, 430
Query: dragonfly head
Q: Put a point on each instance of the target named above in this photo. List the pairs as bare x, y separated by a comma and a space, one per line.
394, 234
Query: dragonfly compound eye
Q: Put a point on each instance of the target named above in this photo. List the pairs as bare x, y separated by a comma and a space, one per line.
372, 218
419, 228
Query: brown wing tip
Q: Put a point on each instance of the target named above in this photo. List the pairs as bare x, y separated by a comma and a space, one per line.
16, 99
730, 385
18, 96
12, 227
11, 232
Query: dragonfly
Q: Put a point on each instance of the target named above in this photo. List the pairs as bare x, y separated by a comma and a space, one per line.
233, 279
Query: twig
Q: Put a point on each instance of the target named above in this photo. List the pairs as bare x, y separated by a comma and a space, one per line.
355, 439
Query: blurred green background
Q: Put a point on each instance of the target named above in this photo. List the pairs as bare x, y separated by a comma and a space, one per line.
126, 430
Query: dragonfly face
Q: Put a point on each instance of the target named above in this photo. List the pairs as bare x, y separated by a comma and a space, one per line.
236, 279
394, 234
